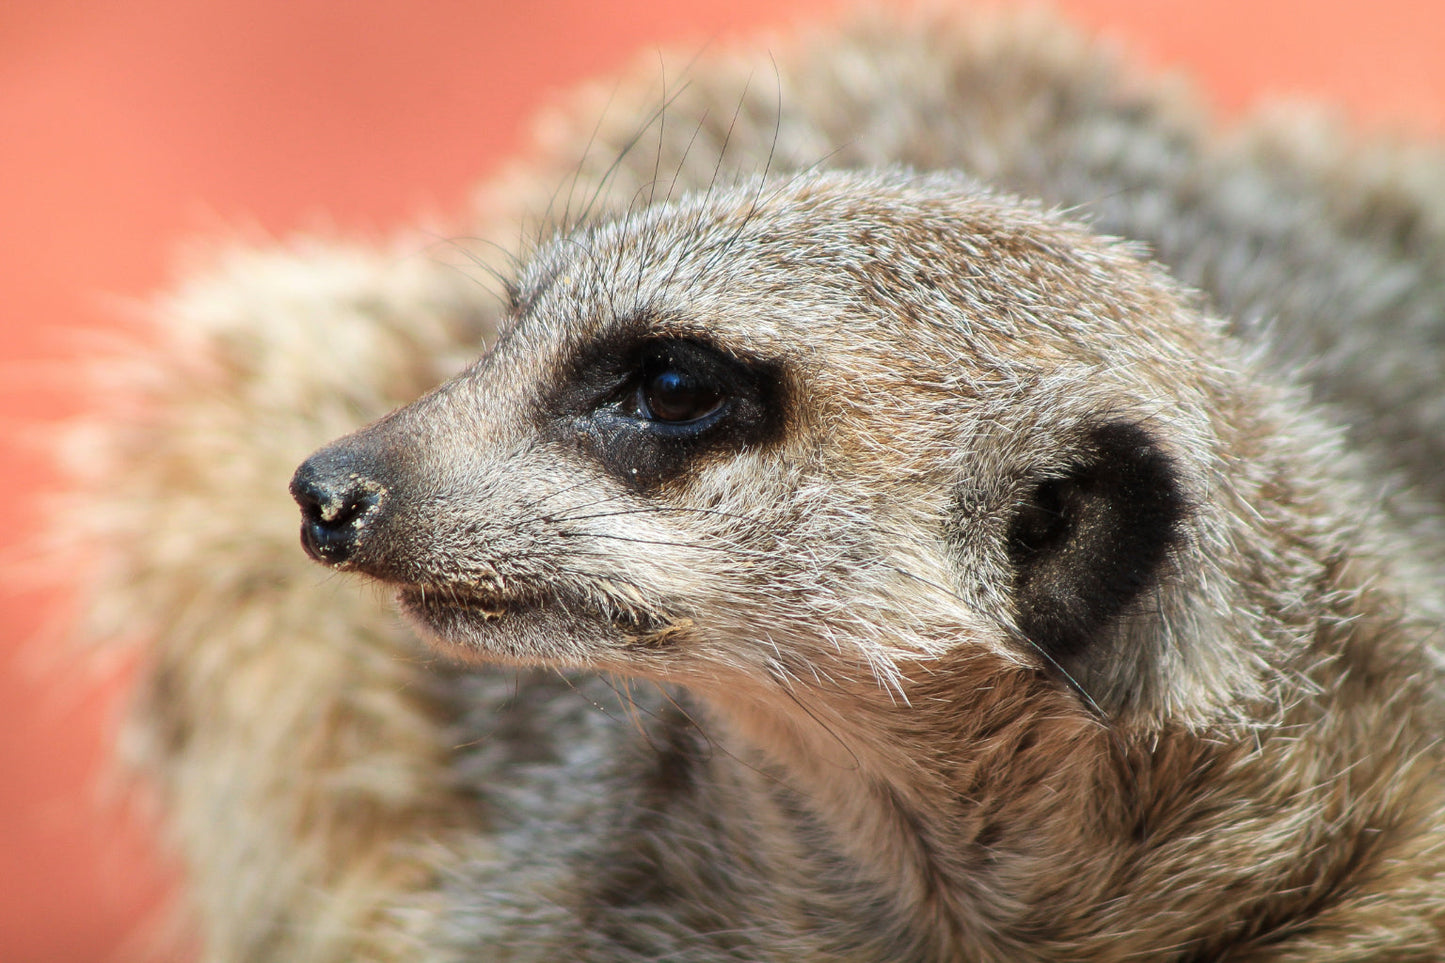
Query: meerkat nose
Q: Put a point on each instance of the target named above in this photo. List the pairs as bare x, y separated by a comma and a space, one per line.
338, 502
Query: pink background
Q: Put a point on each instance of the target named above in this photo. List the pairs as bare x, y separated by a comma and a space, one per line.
127, 126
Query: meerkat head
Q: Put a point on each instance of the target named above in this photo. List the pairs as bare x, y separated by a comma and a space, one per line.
828, 430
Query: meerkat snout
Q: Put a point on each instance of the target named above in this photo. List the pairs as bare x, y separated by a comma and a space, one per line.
340, 495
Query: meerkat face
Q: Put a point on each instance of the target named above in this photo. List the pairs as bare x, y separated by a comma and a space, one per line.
825, 428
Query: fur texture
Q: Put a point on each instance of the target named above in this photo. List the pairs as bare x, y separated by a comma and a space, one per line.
1025, 595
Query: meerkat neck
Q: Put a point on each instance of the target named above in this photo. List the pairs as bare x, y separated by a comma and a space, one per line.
923, 799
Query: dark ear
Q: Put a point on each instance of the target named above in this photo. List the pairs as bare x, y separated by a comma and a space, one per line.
1089, 542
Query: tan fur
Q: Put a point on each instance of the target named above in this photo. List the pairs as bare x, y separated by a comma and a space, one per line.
857, 751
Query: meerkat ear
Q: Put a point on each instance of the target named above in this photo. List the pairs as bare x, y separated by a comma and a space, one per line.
1088, 543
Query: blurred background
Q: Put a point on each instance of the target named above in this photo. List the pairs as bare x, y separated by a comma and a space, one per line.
128, 126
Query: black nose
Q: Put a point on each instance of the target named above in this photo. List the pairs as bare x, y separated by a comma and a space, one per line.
338, 503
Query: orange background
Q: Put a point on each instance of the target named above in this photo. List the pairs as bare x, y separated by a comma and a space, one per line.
127, 126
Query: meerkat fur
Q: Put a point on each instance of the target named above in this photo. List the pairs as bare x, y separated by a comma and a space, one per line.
1043, 562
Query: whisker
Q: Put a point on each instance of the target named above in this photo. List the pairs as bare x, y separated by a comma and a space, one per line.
508, 282
655, 510
1018, 637
764, 774
616, 164
529, 506
726, 549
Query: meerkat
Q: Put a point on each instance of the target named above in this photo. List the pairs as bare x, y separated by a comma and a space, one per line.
935, 504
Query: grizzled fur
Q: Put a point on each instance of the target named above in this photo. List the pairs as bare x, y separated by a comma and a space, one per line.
1027, 594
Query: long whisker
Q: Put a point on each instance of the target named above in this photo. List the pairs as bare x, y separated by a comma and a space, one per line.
724, 549
655, 510
537, 502
1019, 637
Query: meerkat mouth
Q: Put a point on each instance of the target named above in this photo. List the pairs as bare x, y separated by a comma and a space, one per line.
472, 615
449, 601
446, 602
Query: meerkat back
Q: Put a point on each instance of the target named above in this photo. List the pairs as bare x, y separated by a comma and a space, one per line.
840, 554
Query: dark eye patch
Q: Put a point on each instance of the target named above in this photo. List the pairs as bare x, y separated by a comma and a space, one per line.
649, 408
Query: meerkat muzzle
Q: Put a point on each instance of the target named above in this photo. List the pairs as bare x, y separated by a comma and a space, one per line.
338, 503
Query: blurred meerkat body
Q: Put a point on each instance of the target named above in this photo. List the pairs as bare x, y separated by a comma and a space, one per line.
962, 586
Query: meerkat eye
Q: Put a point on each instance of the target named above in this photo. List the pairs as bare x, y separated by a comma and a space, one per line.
673, 394
653, 409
